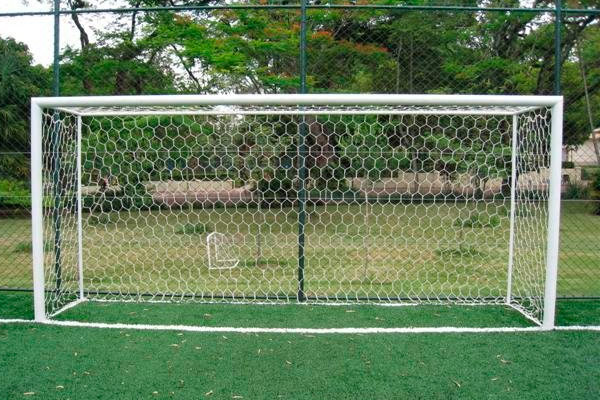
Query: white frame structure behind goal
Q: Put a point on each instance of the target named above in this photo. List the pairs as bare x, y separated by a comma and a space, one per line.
509, 107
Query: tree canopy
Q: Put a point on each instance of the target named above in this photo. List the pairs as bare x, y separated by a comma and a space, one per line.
348, 50
19, 81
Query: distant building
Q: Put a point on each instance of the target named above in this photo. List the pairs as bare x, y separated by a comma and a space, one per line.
584, 154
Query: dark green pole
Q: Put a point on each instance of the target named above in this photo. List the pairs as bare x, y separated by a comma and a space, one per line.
303, 150
56, 80
56, 153
557, 46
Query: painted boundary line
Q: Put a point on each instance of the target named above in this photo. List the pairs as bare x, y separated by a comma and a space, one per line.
315, 331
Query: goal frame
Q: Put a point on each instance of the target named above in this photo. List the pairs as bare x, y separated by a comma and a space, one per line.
301, 100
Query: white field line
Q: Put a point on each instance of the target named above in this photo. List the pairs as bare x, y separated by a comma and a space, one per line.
16, 321
578, 328
267, 303
225, 329
308, 303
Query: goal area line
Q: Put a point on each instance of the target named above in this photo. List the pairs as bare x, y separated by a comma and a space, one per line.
300, 331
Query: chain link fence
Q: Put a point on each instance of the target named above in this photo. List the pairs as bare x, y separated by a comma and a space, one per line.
204, 47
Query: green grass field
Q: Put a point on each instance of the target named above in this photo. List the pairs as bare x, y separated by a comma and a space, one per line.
58, 363
396, 249
128, 251
414, 250
51, 362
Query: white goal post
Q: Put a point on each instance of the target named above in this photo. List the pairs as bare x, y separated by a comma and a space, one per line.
262, 197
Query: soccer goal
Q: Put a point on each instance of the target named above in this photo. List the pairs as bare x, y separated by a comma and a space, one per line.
221, 252
395, 199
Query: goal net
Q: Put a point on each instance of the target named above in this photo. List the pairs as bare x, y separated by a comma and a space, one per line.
426, 199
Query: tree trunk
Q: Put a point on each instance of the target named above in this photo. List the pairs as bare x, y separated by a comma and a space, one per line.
84, 41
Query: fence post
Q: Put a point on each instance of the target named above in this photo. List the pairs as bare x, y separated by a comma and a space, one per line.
56, 65
303, 150
55, 140
557, 46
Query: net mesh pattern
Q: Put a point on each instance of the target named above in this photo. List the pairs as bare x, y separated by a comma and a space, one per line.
179, 205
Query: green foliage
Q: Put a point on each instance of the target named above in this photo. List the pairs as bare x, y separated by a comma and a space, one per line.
368, 150
131, 196
197, 228
589, 173
577, 191
278, 187
482, 220
19, 81
596, 182
14, 194
596, 192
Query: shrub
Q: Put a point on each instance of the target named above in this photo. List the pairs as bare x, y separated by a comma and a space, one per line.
14, 194
131, 196
278, 190
596, 192
568, 165
589, 173
576, 191
198, 228
478, 221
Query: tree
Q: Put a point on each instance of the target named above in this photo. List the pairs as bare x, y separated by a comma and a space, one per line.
349, 50
19, 81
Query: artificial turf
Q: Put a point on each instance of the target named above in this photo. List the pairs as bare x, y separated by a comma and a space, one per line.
295, 315
52, 362
568, 312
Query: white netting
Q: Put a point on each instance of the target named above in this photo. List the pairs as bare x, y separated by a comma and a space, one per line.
531, 210
59, 177
184, 203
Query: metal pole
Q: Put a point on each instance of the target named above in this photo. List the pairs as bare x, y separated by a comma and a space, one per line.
513, 205
303, 150
79, 211
37, 229
56, 67
553, 216
557, 46
56, 153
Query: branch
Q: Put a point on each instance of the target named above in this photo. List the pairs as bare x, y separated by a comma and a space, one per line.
84, 39
186, 67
